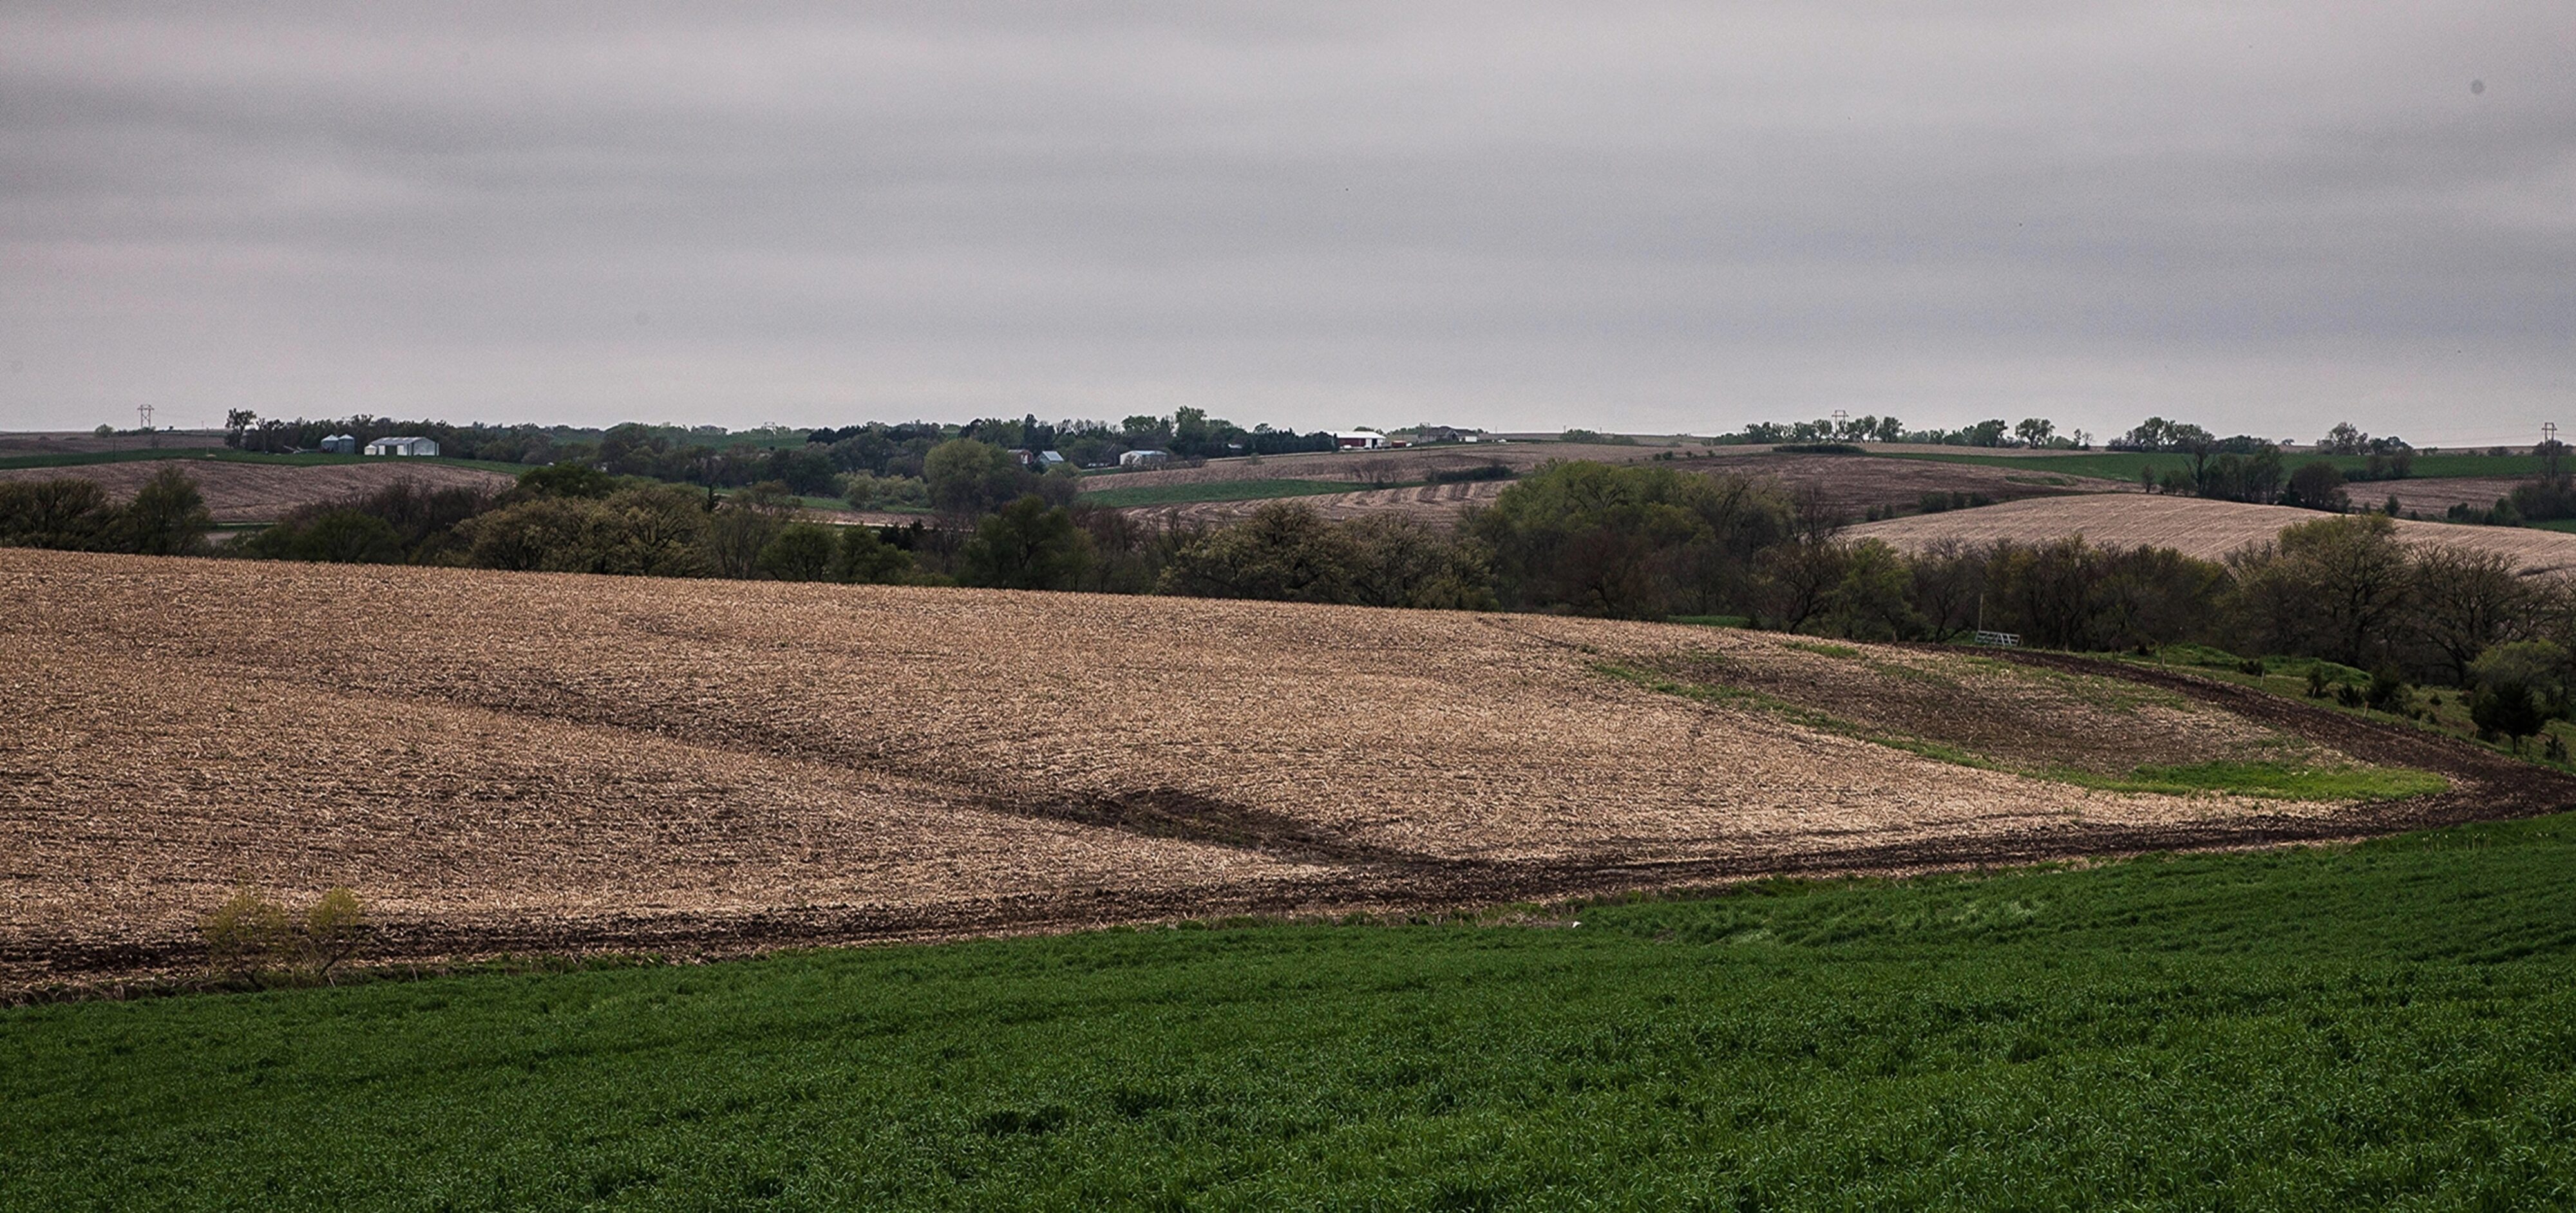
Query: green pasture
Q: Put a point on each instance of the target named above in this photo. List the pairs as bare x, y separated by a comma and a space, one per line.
2390, 1025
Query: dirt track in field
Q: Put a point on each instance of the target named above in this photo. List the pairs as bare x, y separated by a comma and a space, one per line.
513, 763
266, 492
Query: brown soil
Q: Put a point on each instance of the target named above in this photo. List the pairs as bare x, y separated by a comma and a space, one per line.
516, 762
2208, 530
2433, 498
266, 492
1375, 467
1850, 486
2020, 716
72, 442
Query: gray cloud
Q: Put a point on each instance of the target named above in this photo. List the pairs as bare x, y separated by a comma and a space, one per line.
1656, 217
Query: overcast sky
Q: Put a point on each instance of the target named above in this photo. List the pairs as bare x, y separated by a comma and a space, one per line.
1644, 217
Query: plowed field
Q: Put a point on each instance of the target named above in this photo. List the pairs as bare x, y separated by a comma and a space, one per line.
2192, 526
511, 762
1848, 485
265, 492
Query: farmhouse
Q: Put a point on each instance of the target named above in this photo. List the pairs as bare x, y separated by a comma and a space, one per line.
421, 447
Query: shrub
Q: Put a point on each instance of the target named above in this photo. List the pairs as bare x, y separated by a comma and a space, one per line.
333, 929
2508, 708
247, 935
801, 551
1029, 545
866, 557
2389, 692
250, 936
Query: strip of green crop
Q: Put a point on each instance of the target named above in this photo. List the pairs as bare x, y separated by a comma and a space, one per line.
2378, 1026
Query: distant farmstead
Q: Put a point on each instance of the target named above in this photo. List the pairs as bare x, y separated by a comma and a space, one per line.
1141, 459
340, 444
403, 446
1359, 440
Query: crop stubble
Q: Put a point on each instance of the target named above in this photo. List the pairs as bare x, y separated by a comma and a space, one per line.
539, 762
2194, 526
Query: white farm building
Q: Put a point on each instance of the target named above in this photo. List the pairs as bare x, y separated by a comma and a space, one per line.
403, 446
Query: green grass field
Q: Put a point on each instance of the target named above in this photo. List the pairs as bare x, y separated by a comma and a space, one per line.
2124, 465
86, 458
2443, 710
1219, 490
2389, 1025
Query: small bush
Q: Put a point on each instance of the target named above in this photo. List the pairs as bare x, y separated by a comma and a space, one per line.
2351, 696
250, 937
2252, 665
2389, 692
333, 929
2316, 683
247, 935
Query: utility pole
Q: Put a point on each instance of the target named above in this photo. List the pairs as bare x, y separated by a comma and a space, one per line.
2549, 446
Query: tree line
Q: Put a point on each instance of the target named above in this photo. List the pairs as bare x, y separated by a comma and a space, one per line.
810, 462
1625, 541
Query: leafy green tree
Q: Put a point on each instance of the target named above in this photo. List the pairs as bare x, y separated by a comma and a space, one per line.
166, 518
1874, 599
1027, 545
801, 551
2317, 485
865, 557
347, 536
650, 530
1627, 540
967, 477
2509, 708
2331, 588
61, 512
565, 480
1284, 552
2463, 601
743, 525
2540, 666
